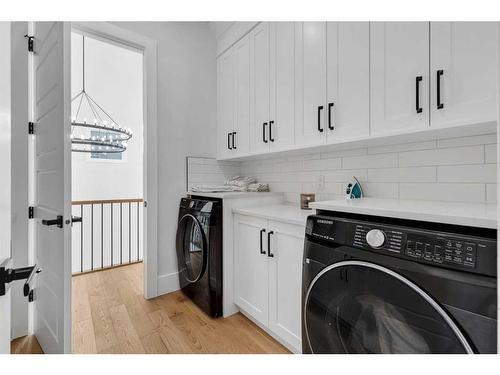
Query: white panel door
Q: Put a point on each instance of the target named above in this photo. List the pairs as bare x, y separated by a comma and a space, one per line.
285, 282
251, 267
282, 85
5, 187
51, 107
311, 131
399, 70
464, 68
240, 139
348, 80
259, 131
225, 102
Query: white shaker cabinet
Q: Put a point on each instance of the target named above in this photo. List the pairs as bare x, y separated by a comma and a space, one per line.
348, 80
251, 291
399, 76
268, 275
464, 69
233, 100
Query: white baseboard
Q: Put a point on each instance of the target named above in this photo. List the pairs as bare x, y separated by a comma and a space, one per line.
168, 283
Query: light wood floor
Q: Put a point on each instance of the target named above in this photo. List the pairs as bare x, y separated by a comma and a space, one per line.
25, 345
110, 315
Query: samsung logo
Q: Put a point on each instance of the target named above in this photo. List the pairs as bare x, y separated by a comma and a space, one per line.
323, 221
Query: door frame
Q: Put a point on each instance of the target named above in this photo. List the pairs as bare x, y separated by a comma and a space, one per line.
109, 33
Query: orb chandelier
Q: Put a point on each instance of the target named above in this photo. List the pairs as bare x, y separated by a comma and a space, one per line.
99, 133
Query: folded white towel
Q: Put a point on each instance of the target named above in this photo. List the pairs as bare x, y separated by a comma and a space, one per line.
258, 187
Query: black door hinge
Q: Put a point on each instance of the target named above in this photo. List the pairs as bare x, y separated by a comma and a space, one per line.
31, 214
31, 128
30, 42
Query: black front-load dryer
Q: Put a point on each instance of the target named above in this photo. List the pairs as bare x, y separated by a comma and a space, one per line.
199, 252
385, 285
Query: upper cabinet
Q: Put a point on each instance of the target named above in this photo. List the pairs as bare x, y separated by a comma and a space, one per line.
399, 76
463, 72
292, 85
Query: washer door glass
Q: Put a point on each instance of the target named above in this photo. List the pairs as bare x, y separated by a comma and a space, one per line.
360, 307
191, 248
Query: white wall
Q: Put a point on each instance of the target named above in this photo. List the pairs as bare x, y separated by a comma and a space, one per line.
114, 80
186, 120
455, 169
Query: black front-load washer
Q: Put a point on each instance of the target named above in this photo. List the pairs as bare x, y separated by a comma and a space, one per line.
385, 285
199, 252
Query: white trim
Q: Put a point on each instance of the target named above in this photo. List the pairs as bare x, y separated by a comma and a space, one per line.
148, 47
168, 283
399, 277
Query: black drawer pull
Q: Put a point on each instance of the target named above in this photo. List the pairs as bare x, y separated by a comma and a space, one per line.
269, 254
440, 72
234, 142
320, 129
271, 131
261, 248
417, 94
330, 125
229, 141
264, 132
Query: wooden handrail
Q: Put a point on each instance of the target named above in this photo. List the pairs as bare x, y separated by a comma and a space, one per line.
107, 201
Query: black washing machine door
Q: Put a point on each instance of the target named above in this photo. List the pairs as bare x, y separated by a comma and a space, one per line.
361, 307
192, 250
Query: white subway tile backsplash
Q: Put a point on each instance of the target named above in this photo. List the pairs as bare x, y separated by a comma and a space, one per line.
322, 164
402, 147
409, 174
443, 192
381, 190
445, 156
345, 175
490, 153
467, 141
482, 173
370, 161
343, 153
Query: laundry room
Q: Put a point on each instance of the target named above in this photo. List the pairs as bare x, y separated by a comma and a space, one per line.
270, 183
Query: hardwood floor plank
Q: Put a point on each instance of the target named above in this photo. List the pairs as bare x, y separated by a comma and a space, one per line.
25, 345
125, 331
153, 344
80, 301
84, 338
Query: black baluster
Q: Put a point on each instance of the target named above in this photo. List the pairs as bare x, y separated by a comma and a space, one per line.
138, 230
81, 239
129, 235
92, 238
102, 235
111, 234
121, 233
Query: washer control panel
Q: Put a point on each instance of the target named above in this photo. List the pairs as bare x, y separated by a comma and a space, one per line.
443, 249
378, 238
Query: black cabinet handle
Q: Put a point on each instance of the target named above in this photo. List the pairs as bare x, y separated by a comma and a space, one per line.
269, 254
58, 222
330, 125
264, 132
261, 249
271, 131
229, 141
417, 94
440, 72
234, 142
320, 129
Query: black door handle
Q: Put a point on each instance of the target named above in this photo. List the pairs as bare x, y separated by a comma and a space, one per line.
269, 254
330, 126
76, 219
234, 137
7, 275
264, 132
229, 141
271, 131
417, 94
261, 249
320, 108
58, 222
440, 72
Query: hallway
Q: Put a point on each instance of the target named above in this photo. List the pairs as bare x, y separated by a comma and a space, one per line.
110, 315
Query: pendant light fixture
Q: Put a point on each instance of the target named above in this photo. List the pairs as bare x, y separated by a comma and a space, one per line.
99, 134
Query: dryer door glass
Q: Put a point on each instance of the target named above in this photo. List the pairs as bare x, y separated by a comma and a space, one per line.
361, 307
191, 248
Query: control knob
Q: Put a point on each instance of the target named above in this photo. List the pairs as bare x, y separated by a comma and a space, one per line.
375, 238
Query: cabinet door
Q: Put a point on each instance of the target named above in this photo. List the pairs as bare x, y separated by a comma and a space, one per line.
463, 69
285, 282
241, 97
311, 43
259, 132
251, 267
225, 103
348, 80
282, 85
399, 70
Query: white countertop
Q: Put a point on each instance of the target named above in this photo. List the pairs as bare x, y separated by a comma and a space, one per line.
234, 194
469, 214
279, 212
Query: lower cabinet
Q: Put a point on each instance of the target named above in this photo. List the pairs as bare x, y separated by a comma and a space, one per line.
268, 275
